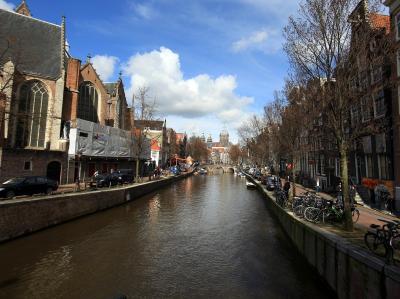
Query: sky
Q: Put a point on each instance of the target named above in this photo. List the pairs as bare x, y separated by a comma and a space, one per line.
208, 64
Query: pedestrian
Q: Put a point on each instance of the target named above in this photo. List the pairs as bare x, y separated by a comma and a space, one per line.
286, 187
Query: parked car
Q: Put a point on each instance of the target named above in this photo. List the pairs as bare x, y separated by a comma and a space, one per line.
125, 176
271, 183
27, 186
106, 179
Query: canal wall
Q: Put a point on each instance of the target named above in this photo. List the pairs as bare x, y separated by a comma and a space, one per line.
24, 216
351, 271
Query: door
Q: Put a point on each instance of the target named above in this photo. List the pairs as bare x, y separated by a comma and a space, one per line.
92, 169
54, 171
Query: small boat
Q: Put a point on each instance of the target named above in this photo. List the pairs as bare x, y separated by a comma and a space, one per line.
250, 185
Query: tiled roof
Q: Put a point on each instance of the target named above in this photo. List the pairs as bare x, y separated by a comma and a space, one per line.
380, 21
34, 45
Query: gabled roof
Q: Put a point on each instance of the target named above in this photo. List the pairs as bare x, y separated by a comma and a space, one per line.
34, 46
23, 9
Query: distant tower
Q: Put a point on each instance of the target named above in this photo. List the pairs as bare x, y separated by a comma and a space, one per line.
203, 138
209, 139
224, 138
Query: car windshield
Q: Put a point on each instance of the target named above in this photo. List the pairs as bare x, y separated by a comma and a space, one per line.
14, 181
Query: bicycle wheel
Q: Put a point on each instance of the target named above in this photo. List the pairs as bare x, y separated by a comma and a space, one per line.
375, 244
312, 214
299, 211
355, 215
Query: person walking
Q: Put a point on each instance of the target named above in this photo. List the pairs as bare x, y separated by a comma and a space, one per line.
286, 187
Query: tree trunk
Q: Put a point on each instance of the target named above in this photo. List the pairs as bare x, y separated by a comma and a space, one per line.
137, 170
294, 177
348, 220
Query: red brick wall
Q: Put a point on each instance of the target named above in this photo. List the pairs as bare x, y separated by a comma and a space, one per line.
13, 161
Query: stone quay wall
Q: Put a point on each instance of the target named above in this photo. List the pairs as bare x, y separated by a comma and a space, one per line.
24, 216
351, 271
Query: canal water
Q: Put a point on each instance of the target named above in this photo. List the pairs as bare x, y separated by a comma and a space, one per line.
202, 237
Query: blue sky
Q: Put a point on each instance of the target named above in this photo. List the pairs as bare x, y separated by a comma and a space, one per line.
208, 63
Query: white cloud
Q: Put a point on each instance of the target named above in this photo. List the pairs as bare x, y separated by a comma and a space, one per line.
104, 65
6, 5
190, 98
143, 10
266, 40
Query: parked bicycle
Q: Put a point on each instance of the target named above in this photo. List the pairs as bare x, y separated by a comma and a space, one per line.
327, 210
384, 239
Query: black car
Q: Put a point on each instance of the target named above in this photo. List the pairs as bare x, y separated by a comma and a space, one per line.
124, 176
27, 186
106, 180
271, 183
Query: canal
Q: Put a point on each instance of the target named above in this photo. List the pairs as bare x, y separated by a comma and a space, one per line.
205, 236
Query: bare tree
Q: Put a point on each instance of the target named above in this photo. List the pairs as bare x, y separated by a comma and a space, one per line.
235, 153
144, 111
197, 149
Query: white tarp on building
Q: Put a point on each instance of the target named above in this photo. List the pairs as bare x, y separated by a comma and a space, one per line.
92, 139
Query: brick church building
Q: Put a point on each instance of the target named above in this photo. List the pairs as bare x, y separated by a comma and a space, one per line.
58, 118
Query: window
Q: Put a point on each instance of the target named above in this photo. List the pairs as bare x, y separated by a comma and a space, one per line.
369, 166
354, 113
88, 102
380, 143
363, 80
337, 167
376, 73
354, 83
384, 168
27, 165
367, 145
398, 26
379, 104
32, 115
41, 180
366, 111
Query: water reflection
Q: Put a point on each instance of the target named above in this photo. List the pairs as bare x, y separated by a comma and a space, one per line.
201, 237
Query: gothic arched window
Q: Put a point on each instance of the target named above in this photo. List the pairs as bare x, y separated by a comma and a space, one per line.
88, 102
32, 114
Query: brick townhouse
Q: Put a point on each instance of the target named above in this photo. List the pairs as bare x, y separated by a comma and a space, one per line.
371, 159
394, 10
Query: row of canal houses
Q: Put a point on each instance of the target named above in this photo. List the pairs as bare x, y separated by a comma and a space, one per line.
57, 117
375, 157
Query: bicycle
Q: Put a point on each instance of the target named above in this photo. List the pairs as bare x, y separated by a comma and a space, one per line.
384, 240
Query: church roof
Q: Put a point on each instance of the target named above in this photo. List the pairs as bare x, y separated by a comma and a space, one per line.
34, 46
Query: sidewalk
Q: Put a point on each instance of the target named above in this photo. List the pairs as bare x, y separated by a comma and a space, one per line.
368, 215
